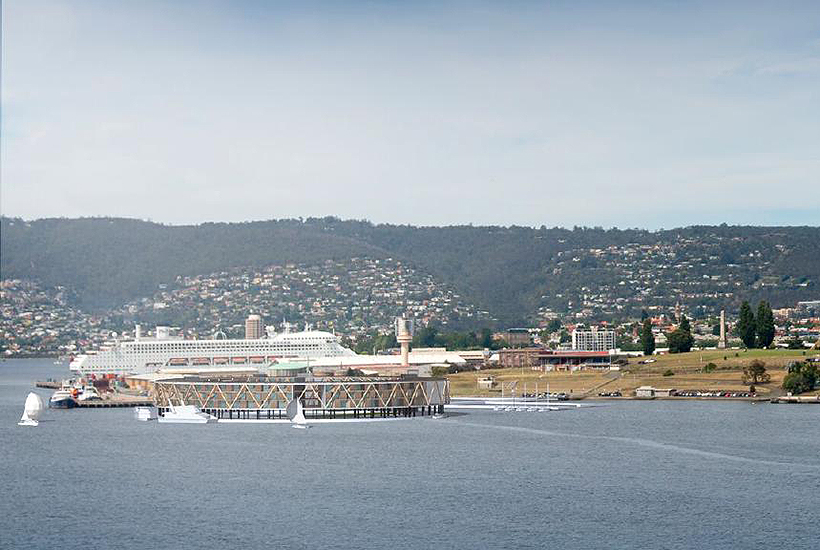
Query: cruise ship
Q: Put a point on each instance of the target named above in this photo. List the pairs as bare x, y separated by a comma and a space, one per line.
144, 355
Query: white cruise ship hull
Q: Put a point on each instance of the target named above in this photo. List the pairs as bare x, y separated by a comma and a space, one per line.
147, 355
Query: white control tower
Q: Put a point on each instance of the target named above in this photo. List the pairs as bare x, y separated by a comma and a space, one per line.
404, 335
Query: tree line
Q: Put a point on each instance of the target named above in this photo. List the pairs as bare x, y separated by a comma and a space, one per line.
430, 337
756, 332
802, 377
679, 340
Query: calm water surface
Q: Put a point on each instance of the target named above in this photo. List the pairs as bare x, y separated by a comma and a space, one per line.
618, 475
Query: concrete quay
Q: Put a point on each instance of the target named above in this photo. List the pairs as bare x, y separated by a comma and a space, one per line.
797, 399
116, 402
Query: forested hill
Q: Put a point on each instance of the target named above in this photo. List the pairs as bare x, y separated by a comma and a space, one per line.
517, 273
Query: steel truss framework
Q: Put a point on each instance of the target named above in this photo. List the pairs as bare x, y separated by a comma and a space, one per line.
316, 395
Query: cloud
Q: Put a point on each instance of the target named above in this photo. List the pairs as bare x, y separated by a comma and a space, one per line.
805, 66
428, 114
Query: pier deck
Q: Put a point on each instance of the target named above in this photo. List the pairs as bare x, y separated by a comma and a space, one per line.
110, 403
266, 398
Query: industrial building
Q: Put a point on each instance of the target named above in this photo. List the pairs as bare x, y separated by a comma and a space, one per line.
420, 362
517, 337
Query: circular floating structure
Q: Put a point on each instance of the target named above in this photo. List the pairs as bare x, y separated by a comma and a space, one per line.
267, 397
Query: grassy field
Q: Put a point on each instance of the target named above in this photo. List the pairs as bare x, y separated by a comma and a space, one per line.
687, 369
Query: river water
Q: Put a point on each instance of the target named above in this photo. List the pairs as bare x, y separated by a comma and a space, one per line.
632, 474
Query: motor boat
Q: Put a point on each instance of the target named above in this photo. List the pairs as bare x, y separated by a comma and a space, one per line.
89, 393
145, 414
185, 414
62, 399
31, 410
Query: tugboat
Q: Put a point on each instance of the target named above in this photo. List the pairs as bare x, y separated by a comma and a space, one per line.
62, 399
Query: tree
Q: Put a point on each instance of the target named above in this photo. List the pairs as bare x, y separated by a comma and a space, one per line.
686, 332
647, 338
644, 315
795, 343
755, 373
765, 325
625, 343
680, 340
802, 377
674, 341
486, 338
426, 337
746, 325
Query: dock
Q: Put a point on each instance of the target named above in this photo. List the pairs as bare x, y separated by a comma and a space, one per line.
117, 402
323, 398
50, 384
797, 399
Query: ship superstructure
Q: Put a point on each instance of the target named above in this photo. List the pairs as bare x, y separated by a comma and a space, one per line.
144, 355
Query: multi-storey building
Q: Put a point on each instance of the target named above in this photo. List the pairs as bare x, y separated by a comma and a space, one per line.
254, 329
593, 339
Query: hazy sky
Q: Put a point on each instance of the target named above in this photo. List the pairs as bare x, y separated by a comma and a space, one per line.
629, 114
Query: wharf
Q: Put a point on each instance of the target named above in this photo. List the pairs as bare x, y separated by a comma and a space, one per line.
797, 399
50, 384
126, 401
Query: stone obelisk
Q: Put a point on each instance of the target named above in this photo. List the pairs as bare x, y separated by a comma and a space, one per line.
722, 341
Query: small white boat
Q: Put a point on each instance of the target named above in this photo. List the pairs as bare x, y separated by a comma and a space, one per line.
296, 414
144, 414
185, 414
31, 410
89, 393
438, 416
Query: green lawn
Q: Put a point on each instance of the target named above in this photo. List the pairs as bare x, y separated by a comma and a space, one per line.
687, 369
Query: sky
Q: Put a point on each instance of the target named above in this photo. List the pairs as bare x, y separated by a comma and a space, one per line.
613, 114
